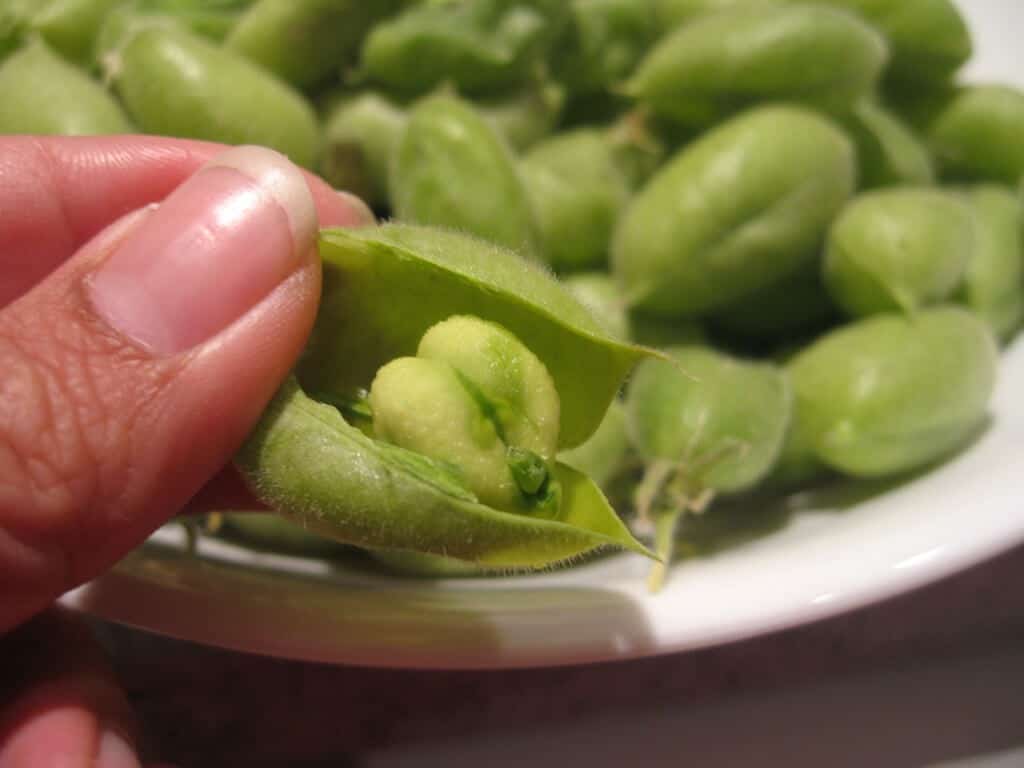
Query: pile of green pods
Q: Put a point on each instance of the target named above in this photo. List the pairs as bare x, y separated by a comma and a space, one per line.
637, 255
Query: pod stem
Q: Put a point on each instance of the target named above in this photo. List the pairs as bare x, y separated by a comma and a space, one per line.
669, 490
665, 526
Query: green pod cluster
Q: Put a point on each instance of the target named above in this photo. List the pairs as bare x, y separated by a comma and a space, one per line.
734, 212
175, 83
305, 42
44, 94
719, 64
450, 169
993, 284
311, 464
480, 46
929, 39
360, 133
600, 294
603, 43
893, 393
897, 250
978, 134
888, 152
577, 192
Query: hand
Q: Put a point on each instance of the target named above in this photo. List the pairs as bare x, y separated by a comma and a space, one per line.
151, 301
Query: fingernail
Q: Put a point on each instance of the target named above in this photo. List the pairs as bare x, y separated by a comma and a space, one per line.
361, 213
213, 249
115, 752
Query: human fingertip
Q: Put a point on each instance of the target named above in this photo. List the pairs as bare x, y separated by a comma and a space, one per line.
115, 751
215, 248
360, 212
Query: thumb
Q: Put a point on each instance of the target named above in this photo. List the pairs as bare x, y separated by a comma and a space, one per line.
131, 375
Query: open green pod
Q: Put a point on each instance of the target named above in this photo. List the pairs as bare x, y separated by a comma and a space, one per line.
384, 288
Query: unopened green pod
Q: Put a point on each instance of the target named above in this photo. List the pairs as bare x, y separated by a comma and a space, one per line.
44, 94
384, 288
993, 283
704, 423
892, 393
480, 46
719, 418
603, 42
719, 64
359, 135
888, 152
577, 192
897, 250
175, 83
599, 293
524, 116
734, 212
978, 135
451, 169
71, 26
929, 39
306, 42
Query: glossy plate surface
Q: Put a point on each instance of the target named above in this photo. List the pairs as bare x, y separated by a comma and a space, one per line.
819, 555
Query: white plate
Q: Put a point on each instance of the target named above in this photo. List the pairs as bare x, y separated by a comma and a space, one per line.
823, 556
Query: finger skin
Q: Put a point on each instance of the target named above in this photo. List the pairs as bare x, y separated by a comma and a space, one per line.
101, 442
60, 695
57, 193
